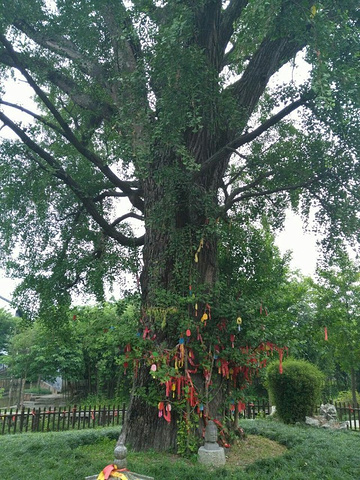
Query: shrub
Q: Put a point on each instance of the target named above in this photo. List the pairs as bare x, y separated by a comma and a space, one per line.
295, 392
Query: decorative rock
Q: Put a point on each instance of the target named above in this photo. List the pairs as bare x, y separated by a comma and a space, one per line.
314, 422
328, 411
211, 454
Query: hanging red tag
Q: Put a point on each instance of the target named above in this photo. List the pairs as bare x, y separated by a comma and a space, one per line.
166, 413
326, 333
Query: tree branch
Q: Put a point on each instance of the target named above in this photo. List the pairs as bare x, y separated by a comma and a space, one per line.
136, 201
125, 217
34, 115
59, 45
270, 191
270, 56
60, 173
63, 82
241, 140
251, 185
229, 15
109, 194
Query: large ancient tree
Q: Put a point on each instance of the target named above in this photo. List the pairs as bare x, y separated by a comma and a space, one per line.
166, 106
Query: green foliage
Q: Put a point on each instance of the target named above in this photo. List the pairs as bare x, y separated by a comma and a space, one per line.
46, 453
147, 92
36, 351
8, 325
296, 391
346, 397
187, 439
337, 299
86, 349
37, 390
313, 453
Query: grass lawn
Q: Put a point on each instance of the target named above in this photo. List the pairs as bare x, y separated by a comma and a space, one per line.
271, 451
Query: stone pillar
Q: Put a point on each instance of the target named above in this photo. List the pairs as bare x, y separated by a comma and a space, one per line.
120, 455
211, 453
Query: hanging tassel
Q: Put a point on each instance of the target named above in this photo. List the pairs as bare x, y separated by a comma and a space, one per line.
239, 322
181, 352
168, 388
204, 318
166, 413
196, 257
281, 353
199, 337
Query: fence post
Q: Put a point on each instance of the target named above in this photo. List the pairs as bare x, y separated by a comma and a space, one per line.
22, 418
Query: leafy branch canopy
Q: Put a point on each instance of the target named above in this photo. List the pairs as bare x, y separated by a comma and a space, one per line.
162, 111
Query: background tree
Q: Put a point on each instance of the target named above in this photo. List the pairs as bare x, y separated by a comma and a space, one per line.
85, 352
166, 105
7, 328
338, 307
104, 333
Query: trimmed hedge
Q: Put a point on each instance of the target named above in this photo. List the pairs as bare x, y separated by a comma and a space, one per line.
297, 391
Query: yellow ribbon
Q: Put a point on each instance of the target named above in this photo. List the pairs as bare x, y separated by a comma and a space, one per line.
196, 258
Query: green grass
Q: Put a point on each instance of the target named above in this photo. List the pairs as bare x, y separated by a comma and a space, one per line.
309, 454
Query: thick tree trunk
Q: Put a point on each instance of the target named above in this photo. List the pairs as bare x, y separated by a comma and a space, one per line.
180, 250
144, 429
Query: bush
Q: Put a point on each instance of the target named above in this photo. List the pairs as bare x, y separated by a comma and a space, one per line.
296, 392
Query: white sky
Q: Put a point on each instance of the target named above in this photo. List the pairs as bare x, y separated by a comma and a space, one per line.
302, 245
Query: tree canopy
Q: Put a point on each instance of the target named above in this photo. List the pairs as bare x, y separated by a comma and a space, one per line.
119, 87
164, 113
337, 298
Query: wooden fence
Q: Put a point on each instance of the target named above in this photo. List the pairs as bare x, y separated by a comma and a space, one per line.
47, 419
76, 418
350, 413
253, 409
